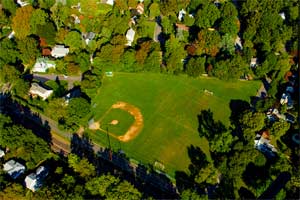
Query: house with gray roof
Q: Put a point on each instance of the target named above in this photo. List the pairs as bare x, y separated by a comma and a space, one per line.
34, 181
87, 37
59, 51
38, 90
13, 168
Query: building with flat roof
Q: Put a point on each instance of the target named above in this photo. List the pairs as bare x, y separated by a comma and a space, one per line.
59, 51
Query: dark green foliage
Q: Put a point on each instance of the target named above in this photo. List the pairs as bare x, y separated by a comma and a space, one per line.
195, 66
47, 32
207, 15
23, 144
10, 55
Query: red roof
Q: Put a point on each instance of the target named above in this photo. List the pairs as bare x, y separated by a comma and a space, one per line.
46, 52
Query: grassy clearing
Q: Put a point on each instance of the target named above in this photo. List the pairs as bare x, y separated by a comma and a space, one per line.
170, 105
125, 120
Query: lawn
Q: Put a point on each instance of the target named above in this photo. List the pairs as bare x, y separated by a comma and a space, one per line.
169, 105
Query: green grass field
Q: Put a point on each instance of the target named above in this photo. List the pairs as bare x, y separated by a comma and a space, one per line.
124, 118
170, 105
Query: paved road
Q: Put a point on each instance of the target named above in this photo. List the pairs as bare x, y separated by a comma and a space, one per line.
69, 79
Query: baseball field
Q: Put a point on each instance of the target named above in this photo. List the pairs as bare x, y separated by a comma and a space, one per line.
153, 117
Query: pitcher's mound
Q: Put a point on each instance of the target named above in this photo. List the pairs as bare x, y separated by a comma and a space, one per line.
114, 122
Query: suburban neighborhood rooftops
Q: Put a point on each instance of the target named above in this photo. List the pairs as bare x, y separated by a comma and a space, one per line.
13, 168
140, 8
59, 51
253, 62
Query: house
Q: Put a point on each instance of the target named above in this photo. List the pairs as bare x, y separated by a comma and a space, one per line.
59, 51
238, 43
140, 8
36, 89
88, 37
76, 19
287, 99
22, 3
262, 143
253, 62
13, 168
2, 153
181, 14
34, 180
130, 36
282, 15
11, 35
110, 2
182, 27
42, 65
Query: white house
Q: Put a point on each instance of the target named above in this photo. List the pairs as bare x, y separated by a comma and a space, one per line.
130, 36
42, 64
110, 2
22, 3
36, 89
282, 15
11, 35
181, 14
2, 153
13, 168
34, 180
59, 51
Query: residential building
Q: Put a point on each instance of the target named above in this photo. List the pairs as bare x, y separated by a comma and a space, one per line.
110, 2
253, 62
181, 14
2, 153
43, 64
13, 168
88, 37
11, 35
22, 3
36, 89
59, 51
130, 36
140, 8
262, 143
157, 32
34, 180
238, 43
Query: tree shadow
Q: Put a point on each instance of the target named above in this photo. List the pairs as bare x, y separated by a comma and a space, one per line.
208, 127
82, 146
22, 115
237, 107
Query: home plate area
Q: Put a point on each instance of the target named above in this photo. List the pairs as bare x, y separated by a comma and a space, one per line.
120, 121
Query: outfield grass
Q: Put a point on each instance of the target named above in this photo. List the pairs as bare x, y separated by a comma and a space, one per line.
124, 118
170, 105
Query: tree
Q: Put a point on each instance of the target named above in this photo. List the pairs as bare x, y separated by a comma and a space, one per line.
74, 41
39, 17
10, 6
207, 15
59, 14
154, 10
208, 42
279, 129
81, 166
29, 50
222, 142
21, 22
47, 32
10, 55
124, 190
192, 195
195, 66
56, 109
90, 7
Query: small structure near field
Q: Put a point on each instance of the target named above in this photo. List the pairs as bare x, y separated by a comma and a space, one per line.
13, 168
109, 74
208, 92
36, 89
